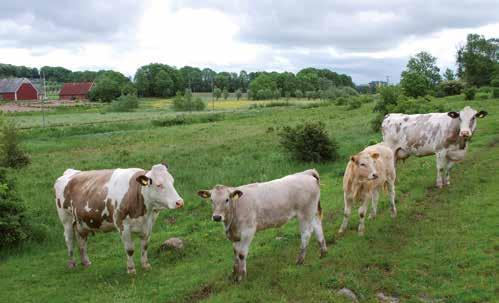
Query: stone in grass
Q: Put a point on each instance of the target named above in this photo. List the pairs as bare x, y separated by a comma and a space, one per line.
172, 244
347, 293
386, 298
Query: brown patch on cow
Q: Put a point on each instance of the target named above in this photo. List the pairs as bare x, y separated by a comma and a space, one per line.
132, 204
397, 127
361, 215
129, 252
110, 210
241, 257
58, 203
406, 119
87, 190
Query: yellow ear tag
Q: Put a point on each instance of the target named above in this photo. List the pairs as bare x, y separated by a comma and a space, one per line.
144, 182
235, 198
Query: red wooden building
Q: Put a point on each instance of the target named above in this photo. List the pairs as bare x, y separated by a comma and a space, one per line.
75, 91
17, 89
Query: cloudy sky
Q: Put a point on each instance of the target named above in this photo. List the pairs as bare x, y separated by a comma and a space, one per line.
368, 40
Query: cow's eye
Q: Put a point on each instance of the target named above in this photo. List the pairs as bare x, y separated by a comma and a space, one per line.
362, 164
226, 200
160, 185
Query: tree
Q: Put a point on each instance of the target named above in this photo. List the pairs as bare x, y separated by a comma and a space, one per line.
238, 94
163, 85
225, 93
478, 60
262, 84
421, 76
217, 93
298, 94
449, 75
105, 90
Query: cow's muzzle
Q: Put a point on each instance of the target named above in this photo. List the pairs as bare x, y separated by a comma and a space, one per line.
217, 218
179, 203
465, 134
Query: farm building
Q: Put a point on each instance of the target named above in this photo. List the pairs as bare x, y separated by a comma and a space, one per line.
75, 91
17, 89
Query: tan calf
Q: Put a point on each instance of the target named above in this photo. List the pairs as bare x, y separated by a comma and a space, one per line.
366, 174
246, 209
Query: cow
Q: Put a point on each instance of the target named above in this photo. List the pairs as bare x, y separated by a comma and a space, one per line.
368, 172
445, 134
246, 209
125, 200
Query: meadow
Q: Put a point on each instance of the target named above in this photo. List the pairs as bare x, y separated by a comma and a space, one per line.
442, 247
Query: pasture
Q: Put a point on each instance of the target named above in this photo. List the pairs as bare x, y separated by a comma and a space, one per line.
443, 245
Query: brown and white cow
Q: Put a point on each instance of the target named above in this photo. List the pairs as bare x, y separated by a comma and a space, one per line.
445, 134
246, 209
366, 174
126, 200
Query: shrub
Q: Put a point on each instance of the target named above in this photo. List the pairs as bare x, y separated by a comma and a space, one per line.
190, 119
217, 93
365, 98
482, 96
450, 87
225, 93
341, 101
13, 220
349, 91
238, 94
129, 89
354, 103
495, 92
494, 82
11, 153
187, 102
125, 103
309, 142
298, 93
105, 90
469, 93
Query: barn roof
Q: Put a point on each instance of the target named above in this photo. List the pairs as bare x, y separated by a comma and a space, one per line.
11, 85
79, 88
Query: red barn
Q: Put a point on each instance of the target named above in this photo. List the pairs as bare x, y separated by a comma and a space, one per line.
17, 89
75, 91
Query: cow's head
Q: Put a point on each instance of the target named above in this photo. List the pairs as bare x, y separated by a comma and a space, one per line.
157, 188
365, 165
222, 200
467, 120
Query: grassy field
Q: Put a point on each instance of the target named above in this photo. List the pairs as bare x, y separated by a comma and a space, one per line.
442, 246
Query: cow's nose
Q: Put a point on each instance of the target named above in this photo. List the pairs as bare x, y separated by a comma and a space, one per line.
375, 176
179, 203
465, 134
217, 218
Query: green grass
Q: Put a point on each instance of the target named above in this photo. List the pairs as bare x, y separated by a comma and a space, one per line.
443, 244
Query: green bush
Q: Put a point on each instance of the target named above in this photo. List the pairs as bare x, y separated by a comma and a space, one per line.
125, 103
354, 103
365, 98
450, 88
482, 96
187, 102
105, 90
14, 226
190, 119
11, 153
495, 92
469, 93
494, 82
309, 142
341, 101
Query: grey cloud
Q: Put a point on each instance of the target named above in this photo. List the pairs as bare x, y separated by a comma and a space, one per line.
30, 24
345, 25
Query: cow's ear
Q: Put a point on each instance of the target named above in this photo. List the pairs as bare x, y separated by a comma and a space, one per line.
204, 194
235, 195
354, 159
144, 180
375, 155
453, 115
481, 114
164, 164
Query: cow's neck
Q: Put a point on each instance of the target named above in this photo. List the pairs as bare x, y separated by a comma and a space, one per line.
230, 224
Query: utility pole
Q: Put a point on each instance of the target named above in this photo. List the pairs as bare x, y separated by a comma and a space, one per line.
212, 96
43, 100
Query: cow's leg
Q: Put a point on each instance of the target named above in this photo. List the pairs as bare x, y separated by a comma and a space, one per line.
317, 226
82, 236
374, 204
362, 214
391, 193
441, 167
143, 249
69, 238
306, 229
346, 213
241, 249
126, 237
450, 163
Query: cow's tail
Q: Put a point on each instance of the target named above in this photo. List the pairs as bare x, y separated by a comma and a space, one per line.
319, 211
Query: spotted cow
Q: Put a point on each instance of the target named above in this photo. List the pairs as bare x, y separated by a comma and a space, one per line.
445, 134
126, 200
246, 209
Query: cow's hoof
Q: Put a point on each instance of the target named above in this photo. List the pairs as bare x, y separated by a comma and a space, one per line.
341, 232
86, 264
300, 260
323, 253
393, 214
71, 264
439, 185
361, 232
146, 266
372, 216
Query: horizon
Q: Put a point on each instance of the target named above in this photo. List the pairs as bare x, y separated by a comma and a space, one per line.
367, 41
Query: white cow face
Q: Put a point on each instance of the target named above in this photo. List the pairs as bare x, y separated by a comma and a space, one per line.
222, 199
467, 120
366, 165
157, 188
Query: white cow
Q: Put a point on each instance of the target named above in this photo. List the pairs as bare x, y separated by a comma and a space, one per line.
246, 209
126, 200
445, 134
